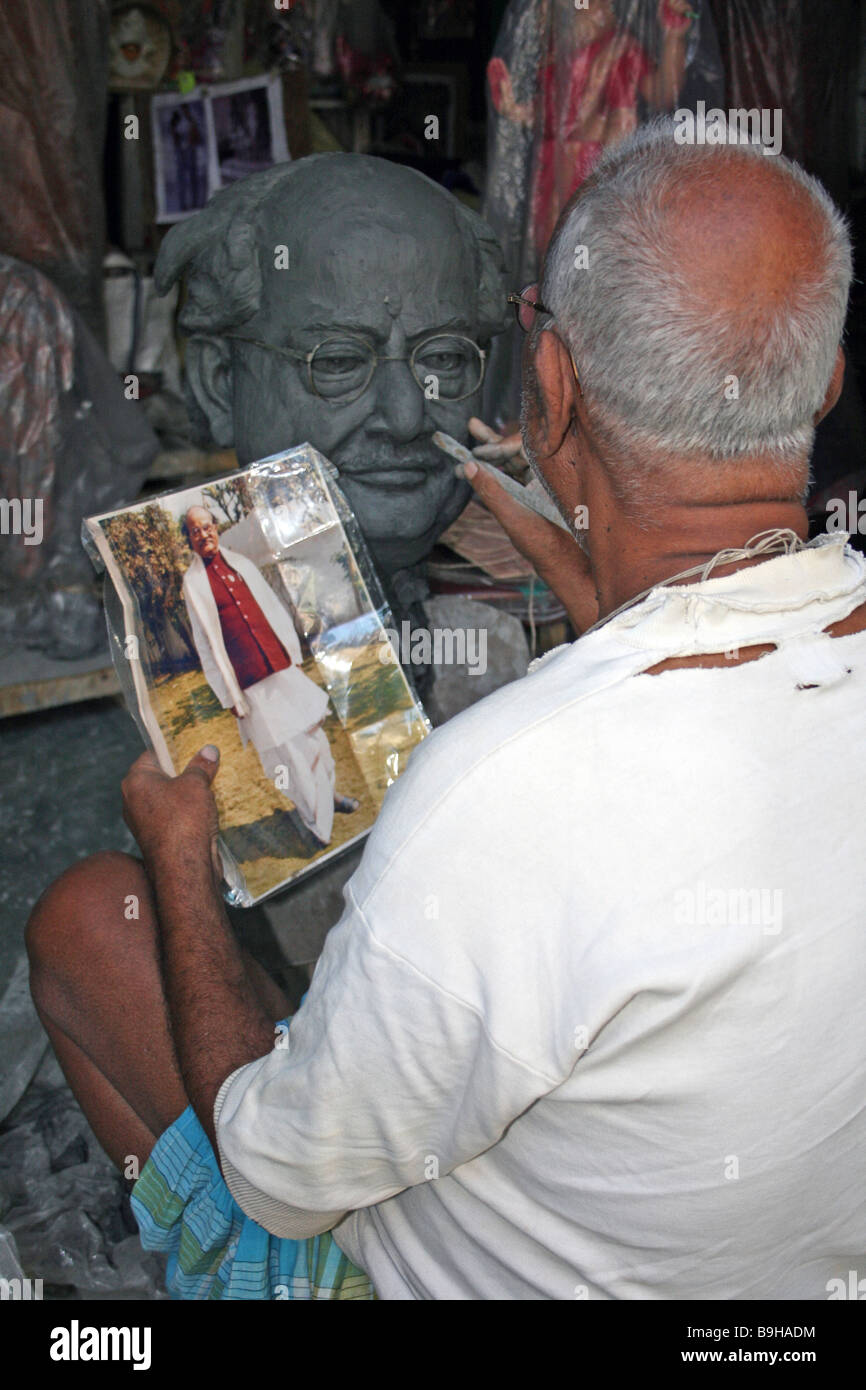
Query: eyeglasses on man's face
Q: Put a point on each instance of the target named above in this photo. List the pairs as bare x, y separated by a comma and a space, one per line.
526, 305
445, 366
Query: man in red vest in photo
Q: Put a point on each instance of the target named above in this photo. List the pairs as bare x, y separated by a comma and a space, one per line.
251, 658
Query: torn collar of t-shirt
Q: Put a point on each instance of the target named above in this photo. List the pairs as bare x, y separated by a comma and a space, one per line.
782, 600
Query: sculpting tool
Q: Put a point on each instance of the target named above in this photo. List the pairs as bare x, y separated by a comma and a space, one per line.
532, 496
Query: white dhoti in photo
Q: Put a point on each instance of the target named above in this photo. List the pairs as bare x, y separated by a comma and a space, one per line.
284, 727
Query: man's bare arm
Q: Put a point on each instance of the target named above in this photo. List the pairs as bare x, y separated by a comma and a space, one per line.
662, 87
554, 554
217, 1021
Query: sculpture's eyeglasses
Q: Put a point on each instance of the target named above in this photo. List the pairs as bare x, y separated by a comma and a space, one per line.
526, 306
445, 367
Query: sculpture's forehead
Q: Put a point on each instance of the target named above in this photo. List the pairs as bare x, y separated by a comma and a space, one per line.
346, 255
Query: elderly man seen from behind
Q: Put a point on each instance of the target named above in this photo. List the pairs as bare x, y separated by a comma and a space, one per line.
625, 1056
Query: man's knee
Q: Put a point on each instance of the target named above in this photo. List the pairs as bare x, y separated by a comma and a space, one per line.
80, 912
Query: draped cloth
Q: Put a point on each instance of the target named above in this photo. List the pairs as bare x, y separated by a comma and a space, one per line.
562, 87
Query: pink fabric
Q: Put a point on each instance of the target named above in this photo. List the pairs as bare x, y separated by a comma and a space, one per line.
564, 160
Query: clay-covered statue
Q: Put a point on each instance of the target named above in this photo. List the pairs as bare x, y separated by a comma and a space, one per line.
349, 302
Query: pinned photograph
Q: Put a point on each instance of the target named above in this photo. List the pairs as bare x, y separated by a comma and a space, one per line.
181, 158
247, 616
248, 128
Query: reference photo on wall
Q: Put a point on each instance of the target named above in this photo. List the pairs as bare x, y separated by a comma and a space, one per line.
246, 614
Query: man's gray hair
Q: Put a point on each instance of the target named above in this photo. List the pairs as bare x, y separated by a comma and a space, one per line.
653, 364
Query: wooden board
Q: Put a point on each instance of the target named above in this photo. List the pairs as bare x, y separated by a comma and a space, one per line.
31, 681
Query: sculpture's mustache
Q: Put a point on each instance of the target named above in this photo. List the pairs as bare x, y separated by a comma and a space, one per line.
386, 457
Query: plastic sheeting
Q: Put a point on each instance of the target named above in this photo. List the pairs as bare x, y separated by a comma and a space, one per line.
65, 1217
794, 56
287, 517
70, 443
564, 83
53, 102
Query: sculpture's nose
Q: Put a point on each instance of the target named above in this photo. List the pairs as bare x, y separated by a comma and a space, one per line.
399, 409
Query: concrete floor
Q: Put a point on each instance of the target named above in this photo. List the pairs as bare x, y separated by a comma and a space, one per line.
60, 771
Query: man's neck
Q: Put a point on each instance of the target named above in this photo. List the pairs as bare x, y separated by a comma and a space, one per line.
687, 535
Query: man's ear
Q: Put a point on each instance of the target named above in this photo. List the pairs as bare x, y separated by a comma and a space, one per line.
556, 387
209, 380
834, 390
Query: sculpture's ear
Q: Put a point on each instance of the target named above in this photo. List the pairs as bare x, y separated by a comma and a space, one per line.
209, 382
493, 311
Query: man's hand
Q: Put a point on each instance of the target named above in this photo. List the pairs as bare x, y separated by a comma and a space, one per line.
554, 555
218, 1021
177, 813
497, 448
675, 16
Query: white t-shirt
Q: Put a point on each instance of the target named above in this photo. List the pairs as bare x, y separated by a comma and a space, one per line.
592, 1022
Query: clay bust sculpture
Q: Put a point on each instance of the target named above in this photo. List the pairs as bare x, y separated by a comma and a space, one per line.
349, 302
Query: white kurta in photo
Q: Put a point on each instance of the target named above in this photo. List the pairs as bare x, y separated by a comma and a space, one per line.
284, 726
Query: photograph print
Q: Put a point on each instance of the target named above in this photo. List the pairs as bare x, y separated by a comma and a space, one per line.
249, 623
181, 155
249, 132
211, 137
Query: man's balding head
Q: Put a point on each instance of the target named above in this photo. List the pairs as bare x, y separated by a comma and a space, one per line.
706, 324
199, 530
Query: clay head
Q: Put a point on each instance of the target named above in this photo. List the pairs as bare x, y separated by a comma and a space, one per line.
349, 302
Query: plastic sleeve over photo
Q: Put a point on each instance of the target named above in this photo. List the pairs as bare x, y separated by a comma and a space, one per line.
324, 720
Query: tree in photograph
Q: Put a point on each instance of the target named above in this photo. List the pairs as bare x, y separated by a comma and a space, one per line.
148, 546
